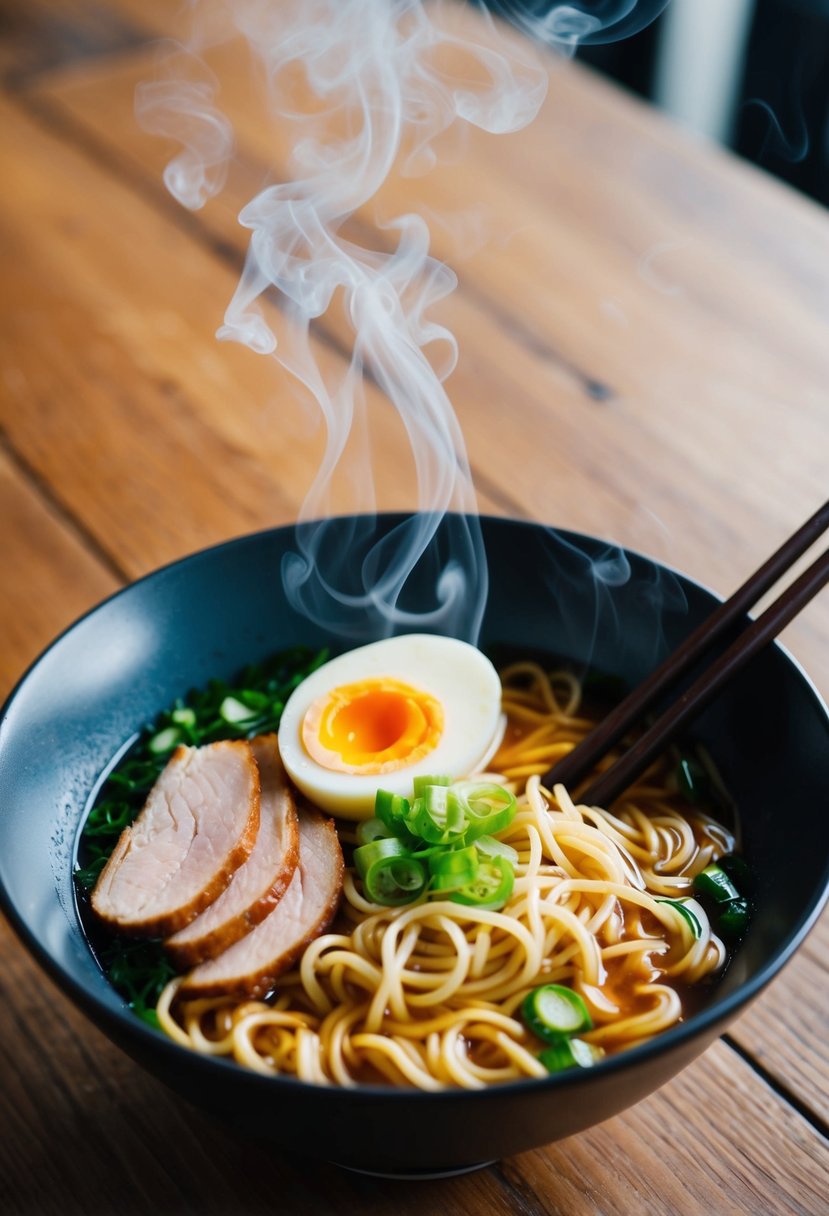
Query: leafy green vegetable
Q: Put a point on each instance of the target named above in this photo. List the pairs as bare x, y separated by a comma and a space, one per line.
138, 971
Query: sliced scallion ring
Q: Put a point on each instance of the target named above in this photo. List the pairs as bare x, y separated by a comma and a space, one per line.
164, 741
234, 711
687, 914
733, 919
570, 1053
452, 869
715, 883
553, 1010
490, 888
393, 881
436, 816
486, 808
421, 784
372, 829
490, 847
391, 808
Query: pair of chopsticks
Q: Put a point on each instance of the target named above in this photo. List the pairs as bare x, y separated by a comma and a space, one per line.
575, 766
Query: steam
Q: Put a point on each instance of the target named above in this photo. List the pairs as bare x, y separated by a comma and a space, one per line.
382, 93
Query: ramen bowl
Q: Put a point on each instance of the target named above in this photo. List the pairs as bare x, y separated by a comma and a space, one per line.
211, 614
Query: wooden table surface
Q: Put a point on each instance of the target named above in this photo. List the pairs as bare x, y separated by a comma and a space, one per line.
643, 355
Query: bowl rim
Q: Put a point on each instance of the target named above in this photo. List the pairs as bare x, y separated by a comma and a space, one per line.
701, 1023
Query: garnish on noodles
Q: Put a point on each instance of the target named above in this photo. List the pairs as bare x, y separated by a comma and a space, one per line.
489, 929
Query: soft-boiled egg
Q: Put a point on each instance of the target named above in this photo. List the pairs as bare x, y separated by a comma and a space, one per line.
383, 714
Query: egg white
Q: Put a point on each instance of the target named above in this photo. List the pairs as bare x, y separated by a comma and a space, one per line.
456, 674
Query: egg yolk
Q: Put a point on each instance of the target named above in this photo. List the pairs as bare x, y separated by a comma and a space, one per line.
373, 726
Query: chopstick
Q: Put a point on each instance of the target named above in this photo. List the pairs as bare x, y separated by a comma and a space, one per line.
575, 766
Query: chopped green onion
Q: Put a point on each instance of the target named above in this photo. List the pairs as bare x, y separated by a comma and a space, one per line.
370, 830
435, 832
487, 808
739, 871
733, 919
392, 881
715, 883
490, 847
234, 711
254, 699
436, 816
553, 1011
392, 809
686, 913
367, 854
421, 784
570, 1053
184, 717
490, 888
390, 877
164, 741
452, 869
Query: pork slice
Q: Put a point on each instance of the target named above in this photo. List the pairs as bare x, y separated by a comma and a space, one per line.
260, 882
198, 825
252, 966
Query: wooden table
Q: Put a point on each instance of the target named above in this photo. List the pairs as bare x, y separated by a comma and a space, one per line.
643, 355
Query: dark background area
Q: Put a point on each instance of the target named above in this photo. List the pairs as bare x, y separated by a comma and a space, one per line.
750, 74
780, 117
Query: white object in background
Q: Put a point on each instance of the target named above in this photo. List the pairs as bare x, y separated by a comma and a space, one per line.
700, 62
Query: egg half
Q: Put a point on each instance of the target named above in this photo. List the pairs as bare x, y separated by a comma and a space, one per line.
383, 714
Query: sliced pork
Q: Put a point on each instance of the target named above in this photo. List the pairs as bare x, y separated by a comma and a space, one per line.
198, 825
252, 965
259, 883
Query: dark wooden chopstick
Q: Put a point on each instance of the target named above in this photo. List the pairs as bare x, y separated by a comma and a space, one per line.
575, 766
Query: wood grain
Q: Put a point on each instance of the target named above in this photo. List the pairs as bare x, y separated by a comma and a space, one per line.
50, 577
692, 386
643, 356
715, 1139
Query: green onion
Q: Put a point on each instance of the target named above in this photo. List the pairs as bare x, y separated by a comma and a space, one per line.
393, 881
184, 717
739, 871
686, 913
370, 830
453, 869
553, 1011
570, 1053
733, 919
234, 711
164, 741
715, 883
421, 784
437, 830
486, 808
490, 888
392, 809
390, 877
436, 816
367, 854
490, 847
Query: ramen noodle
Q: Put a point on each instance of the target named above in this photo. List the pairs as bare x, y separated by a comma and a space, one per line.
430, 994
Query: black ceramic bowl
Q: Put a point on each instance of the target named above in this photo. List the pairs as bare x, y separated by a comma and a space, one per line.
212, 613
